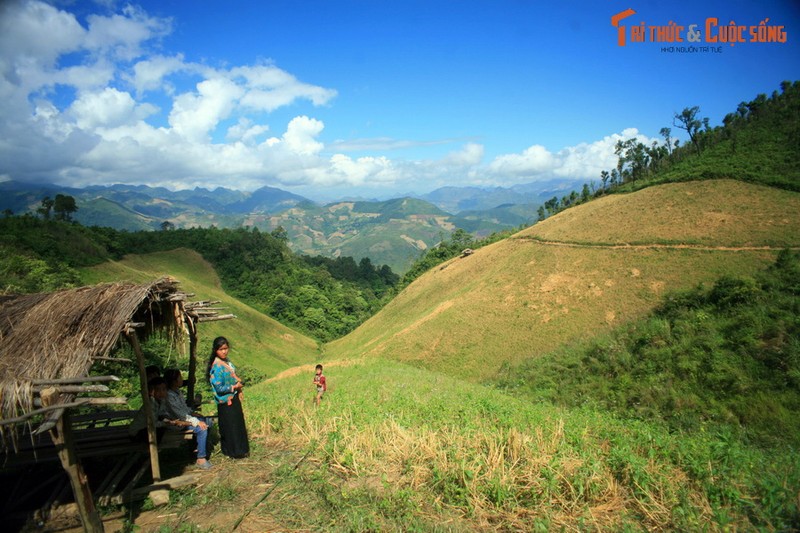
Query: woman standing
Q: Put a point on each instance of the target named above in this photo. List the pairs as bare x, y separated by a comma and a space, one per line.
227, 392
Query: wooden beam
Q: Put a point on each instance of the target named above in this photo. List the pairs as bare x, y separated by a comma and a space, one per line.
192, 378
69, 381
74, 388
215, 318
77, 403
62, 438
201, 303
172, 483
120, 470
155, 467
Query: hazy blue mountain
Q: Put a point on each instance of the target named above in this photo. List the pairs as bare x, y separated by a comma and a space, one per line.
476, 199
487, 221
268, 200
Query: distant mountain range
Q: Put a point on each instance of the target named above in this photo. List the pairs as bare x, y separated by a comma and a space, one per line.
392, 232
460, 199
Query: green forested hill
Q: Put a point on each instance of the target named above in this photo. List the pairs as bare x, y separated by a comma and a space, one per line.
759, 142
323, 298
394, 232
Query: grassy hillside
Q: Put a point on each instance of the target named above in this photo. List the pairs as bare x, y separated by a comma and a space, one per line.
724, 355
395, 448
257, 341
577, 275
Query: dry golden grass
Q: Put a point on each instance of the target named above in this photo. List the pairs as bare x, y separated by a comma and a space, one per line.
714, 213
522, 297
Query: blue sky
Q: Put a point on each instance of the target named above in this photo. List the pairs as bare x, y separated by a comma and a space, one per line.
371, 98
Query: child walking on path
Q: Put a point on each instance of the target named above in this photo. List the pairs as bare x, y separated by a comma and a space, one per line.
319, 383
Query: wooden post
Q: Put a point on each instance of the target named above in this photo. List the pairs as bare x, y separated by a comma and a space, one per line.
155, 467
192, 378
62, 439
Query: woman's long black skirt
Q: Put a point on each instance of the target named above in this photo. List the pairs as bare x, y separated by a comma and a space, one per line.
232, 431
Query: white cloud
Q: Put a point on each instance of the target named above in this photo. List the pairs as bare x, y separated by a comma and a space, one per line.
37, 32
587, 160
122, 35
470, 155
300, 136
148, 74
583, 161
195, 115
532, 161
108, 108
382, 144
343, 170
269, 88
245, 131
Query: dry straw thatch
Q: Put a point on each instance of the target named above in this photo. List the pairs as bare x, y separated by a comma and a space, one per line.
61, 335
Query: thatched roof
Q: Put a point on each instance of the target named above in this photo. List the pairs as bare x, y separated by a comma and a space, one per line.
62, 334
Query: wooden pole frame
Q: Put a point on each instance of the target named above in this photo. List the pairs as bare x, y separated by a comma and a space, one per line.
152, 439
191, 324
62, 438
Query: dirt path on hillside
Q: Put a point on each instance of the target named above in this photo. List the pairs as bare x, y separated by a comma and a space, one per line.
653, 246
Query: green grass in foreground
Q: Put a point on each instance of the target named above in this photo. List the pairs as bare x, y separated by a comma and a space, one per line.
399, 448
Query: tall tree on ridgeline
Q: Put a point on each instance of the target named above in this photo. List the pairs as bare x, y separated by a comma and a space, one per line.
46, 207
688, 121
63, 207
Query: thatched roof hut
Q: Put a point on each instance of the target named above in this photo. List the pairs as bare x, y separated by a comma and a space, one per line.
47, 337
49, 344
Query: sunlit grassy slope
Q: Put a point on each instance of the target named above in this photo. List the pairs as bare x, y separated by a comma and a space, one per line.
397, 448
257, 340
577, 274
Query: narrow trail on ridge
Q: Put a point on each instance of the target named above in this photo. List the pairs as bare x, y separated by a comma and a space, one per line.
649, 246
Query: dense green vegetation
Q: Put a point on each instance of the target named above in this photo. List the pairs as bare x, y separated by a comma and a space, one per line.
325, 298
759, 143
39, 255
728, 354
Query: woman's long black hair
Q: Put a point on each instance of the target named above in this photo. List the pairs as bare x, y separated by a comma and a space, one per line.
218, 343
